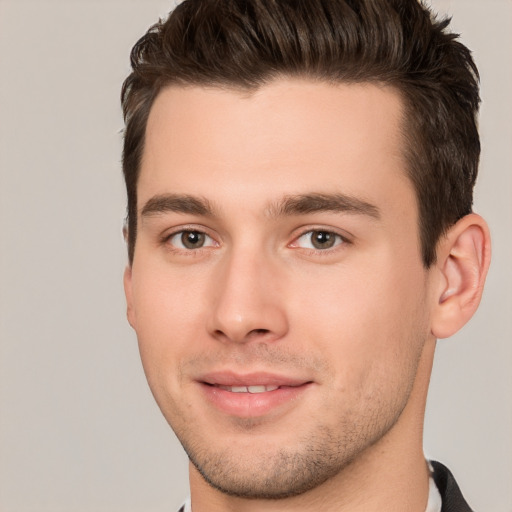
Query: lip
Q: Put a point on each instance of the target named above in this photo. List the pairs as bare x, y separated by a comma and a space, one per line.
247, 404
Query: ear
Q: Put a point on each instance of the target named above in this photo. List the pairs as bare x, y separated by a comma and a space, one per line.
463, 257
127, 281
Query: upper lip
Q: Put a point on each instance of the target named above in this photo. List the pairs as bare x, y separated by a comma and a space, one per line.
229, 378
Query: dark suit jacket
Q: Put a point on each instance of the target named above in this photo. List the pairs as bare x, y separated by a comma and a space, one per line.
453, 501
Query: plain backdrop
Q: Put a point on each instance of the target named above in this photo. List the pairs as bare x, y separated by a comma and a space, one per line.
79, 430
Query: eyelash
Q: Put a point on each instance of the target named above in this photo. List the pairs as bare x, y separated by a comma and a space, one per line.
341, 241
166, 240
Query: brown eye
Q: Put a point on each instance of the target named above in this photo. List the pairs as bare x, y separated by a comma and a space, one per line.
319, 240
191, 240
322, 239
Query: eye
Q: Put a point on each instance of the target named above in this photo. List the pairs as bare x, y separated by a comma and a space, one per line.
318, 240
190, 240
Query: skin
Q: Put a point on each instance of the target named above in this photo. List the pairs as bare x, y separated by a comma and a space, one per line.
353, 321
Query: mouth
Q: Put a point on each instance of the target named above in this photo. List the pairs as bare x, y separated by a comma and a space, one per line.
252, 395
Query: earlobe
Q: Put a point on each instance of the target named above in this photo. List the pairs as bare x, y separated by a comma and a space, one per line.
127, 281
463, 260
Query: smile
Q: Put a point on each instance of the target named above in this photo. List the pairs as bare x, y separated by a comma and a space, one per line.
252, 395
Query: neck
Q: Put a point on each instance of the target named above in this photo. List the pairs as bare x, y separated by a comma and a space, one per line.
391, 475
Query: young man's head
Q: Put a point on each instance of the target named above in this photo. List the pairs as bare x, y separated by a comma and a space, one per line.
244, 45
299, 180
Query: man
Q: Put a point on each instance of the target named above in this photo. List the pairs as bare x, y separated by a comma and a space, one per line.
299, 179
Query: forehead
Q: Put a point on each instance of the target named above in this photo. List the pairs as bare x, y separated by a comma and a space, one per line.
288, 137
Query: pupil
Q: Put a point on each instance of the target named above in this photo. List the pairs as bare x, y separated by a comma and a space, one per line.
323, 239
192, 239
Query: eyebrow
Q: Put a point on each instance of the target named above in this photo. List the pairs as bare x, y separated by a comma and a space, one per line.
290, 205
178, 203
318, 202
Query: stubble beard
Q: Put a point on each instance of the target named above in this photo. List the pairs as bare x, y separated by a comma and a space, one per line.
284, 472
304, 460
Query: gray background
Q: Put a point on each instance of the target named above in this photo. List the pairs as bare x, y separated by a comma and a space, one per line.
78, 427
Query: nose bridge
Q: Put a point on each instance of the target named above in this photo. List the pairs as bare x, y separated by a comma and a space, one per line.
247, 300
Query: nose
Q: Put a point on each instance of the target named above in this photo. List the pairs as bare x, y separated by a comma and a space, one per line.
248, 300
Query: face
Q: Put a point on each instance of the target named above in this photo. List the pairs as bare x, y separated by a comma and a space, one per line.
277, 289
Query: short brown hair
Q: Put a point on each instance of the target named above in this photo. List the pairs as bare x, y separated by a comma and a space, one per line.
247, 43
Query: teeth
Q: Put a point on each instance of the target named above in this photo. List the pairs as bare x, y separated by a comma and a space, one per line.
260, 389
249, 389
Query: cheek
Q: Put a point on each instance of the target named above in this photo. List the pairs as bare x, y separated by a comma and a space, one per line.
166, 310
367, 321
166, 329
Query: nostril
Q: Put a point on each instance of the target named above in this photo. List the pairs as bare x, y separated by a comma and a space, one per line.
253, 334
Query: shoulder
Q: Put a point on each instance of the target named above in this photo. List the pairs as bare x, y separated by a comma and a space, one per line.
453, 500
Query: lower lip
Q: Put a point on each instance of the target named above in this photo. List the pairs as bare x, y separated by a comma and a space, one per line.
251, 405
